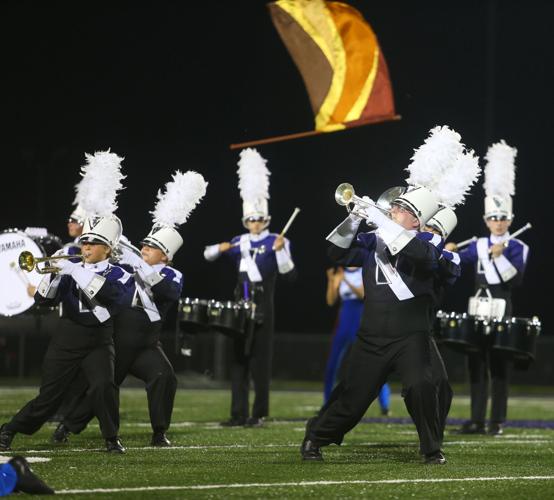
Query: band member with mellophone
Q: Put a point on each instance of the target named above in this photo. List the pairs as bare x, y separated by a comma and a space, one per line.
400, 271
499, 260
260, 256
91, 291
137, 328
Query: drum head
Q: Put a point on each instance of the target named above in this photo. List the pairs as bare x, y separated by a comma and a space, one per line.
14, 298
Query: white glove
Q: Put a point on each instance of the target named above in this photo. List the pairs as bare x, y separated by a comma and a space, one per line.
131, 258
66, 266
376, 216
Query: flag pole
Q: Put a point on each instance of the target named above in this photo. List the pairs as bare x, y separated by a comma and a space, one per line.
311, 133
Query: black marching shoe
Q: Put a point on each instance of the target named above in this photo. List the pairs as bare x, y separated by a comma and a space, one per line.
6, 438
61, 434
254, 422
435, 458
27, 480
233, 422
159, 439
495, 429
310, 451
471, 427
113, 445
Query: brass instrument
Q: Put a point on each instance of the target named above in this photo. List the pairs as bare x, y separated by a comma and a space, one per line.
28, 262
346, 196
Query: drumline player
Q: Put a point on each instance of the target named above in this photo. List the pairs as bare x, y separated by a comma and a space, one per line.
346, 285
138, 350
260, 256
499, 266
399, 269
91, 292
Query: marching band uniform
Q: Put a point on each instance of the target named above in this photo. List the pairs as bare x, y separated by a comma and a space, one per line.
348, 321
91, 295
499, 275
258, 265
400, 269
138, 350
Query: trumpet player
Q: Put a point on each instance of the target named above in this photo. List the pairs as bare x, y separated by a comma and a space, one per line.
91, 293
499, 263
260, 257
157, 286
399, 273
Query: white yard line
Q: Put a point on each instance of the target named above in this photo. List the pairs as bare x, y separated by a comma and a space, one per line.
61, 449
31, 460
305, 483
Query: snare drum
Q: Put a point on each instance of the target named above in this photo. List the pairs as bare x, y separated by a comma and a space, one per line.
193, 313
14, 294
229, 317
516, 337
462, 332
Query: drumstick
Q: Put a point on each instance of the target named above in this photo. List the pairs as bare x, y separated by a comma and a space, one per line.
20, 273
519, 231
465, 243
290, 221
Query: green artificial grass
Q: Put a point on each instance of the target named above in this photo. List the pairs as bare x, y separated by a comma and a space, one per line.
206, 454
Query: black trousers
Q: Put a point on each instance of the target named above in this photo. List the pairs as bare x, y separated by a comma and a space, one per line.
139, 353
75, 349
256, 364
484, 367
371, 362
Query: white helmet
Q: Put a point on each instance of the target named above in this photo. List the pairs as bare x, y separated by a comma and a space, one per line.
498, 206
421, 202
78, 215
106, 230
444, 221
166, 238
255, 209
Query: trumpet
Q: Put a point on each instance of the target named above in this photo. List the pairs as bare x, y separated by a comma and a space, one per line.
346, 196
28, 262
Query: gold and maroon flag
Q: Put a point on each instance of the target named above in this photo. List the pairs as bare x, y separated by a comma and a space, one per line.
341, 63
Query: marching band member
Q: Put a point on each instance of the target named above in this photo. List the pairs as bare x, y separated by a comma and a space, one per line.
260, 256
75, 228
500, 264
399, 270
138, 350
346, 285
91, 293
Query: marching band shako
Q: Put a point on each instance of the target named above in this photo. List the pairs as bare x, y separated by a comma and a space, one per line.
79, 214
444, 221
421, 202
105, 230
499, 181
166, 238
486, 307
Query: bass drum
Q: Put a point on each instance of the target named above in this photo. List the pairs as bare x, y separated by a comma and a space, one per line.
16, 290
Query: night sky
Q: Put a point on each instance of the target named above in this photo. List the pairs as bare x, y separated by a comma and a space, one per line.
170, 85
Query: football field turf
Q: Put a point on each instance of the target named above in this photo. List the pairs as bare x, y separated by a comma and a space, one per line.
377, 460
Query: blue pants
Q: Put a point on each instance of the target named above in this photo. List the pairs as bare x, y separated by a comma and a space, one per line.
350, 314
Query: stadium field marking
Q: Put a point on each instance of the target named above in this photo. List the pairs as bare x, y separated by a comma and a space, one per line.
61, 449
305, 483
31, 460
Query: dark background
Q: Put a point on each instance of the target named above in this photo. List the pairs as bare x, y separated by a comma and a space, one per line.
170, 85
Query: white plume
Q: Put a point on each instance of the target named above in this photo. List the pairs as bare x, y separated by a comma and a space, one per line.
457, 183
253, 175
443, 166
97, 190
181, 195
500, 170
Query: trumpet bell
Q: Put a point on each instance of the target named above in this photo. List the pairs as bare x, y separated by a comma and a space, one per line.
385, 200
344, 194
26, 261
